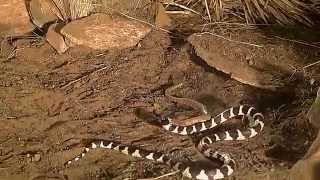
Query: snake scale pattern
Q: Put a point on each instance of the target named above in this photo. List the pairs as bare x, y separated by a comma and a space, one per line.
190, 169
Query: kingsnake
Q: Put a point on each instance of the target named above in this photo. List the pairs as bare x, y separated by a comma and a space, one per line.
192, 169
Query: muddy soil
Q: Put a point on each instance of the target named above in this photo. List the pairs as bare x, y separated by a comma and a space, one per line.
48, 102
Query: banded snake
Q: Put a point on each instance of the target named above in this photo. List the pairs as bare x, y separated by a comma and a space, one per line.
191, 169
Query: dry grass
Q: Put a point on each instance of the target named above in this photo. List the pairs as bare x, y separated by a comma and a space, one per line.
280, 11
262, 11
72, 9
283, 12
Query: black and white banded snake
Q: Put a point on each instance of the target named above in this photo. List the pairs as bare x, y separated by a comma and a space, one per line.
190, 169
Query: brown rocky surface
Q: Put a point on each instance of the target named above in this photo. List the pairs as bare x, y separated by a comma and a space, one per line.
50, 101
55, 39
308, 168
101, 31
314, 111
261, 64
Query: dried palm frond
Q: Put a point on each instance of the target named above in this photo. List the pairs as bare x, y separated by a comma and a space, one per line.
217, 6
80, 8
253, 11
316, 5
280, 11
73, 9
266, 11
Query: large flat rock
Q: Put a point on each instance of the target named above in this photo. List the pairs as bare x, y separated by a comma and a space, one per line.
251, 58
100, 31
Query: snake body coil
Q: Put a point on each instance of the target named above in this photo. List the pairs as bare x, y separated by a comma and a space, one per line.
191, 169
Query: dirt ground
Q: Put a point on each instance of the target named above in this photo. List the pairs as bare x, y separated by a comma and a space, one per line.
48, 102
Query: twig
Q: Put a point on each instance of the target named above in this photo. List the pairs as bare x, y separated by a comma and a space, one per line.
312, 64
234, 23
165, 175
183, 7
246, 43
294, 71
207, 9
178, 12
85, 76
145, 22
299, 42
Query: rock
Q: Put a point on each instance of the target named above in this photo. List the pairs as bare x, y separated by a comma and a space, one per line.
36, 158
263, 64
309, 167
56, 40
43, 12
14, 18
314, 111
224, 60
100, 31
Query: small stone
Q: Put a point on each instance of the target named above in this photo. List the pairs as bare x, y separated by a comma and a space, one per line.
314, 111
312, 81
36, 158
56, 40
102, 32
251, 62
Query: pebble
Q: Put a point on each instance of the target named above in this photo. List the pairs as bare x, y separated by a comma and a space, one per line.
36, 158
312, 81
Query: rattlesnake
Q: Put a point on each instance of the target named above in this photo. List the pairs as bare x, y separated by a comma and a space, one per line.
192, 169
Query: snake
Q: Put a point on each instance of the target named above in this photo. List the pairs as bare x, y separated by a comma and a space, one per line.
191, 169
